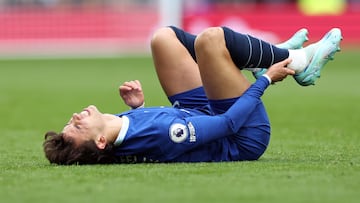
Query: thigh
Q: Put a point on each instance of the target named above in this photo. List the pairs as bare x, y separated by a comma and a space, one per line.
176, 69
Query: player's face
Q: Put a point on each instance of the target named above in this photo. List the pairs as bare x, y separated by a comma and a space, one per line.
84, 126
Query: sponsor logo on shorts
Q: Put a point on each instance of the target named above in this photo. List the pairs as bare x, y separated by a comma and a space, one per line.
192, 132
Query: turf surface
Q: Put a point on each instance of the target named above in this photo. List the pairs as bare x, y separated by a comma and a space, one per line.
313, 156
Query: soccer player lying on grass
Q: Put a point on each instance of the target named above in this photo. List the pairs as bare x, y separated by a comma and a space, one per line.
217, 115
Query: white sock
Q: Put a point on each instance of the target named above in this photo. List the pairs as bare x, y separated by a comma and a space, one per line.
299, 60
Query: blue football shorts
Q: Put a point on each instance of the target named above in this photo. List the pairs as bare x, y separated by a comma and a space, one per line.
196, 99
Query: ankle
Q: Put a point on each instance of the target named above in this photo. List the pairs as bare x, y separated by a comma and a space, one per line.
299, 60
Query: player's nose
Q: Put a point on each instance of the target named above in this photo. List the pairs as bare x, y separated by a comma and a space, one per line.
76, 117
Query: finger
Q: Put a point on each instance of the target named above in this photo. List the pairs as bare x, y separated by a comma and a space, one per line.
124, 88
133, 84
289, 60
289, 71
285, 62
128, 83
138, 83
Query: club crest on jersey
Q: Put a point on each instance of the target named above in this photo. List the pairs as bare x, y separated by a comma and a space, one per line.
178, 132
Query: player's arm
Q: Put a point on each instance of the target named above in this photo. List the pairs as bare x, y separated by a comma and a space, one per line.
132, 94
234, 118
246, 104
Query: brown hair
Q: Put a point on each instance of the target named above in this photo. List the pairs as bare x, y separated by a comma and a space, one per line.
64, 152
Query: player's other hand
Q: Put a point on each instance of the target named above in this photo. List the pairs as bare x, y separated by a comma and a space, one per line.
279, 71
132, 94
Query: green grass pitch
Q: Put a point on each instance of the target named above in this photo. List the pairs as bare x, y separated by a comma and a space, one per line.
313, 156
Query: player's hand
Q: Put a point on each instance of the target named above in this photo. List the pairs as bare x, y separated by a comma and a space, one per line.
279, 71
132, 94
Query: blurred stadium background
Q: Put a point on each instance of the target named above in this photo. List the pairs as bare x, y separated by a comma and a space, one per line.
107, 28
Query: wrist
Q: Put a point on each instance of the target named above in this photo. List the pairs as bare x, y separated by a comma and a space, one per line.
268, 78
141, 106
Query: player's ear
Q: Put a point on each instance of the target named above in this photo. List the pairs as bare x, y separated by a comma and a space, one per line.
101, 142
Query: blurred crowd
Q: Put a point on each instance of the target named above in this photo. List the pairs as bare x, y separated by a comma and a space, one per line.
190, 5
76, 2
49, 3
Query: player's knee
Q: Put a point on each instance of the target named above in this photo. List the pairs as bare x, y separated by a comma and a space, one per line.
208, 39
161, 36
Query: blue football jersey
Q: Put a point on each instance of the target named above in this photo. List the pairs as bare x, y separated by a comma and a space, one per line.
168, 134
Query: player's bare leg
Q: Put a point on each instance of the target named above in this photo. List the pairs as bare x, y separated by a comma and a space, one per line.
176, 69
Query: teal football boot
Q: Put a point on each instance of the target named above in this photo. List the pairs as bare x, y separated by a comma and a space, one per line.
319, 53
